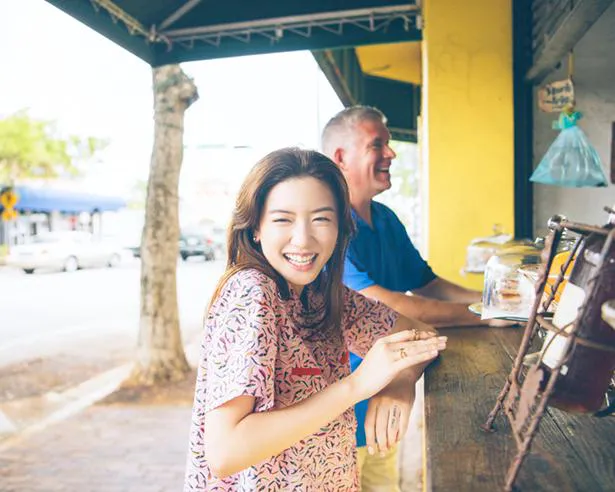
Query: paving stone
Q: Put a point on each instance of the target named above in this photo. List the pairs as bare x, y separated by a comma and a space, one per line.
105, 448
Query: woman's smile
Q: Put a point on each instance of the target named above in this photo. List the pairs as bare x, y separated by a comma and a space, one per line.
302, 262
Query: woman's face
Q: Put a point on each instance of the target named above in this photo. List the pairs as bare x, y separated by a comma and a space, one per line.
298, 229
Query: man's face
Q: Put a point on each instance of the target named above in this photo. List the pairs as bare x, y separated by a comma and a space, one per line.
366, 159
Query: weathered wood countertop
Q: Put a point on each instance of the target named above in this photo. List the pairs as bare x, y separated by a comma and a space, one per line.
569, 453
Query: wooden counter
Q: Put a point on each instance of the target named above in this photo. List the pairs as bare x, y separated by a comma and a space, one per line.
570, 453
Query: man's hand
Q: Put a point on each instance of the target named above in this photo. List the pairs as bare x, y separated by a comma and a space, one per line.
387, 416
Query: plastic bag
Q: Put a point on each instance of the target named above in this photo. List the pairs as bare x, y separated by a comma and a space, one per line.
571, 160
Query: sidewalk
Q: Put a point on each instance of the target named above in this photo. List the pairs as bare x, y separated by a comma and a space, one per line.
91, 437
131, 441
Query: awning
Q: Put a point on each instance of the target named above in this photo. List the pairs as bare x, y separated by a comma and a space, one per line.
169, 31
33, 199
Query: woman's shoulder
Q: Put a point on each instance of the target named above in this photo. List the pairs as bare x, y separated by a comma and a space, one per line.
250, 281
355, 302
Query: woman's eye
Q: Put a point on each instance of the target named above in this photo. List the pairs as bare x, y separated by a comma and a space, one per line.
322, 219
281, 220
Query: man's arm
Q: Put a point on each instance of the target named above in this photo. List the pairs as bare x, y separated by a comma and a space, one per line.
444, 290
388, 412
432, 311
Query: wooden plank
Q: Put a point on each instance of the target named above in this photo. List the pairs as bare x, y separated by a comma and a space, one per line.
568, 454
544, 29
571, 29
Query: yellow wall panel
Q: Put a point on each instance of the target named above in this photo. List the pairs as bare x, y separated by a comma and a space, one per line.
467, 134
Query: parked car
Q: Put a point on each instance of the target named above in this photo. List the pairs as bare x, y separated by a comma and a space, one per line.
196, 245
64, 250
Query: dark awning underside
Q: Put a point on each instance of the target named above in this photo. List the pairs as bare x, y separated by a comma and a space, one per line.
172, 31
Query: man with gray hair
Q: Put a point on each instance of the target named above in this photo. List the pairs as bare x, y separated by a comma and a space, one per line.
382, 263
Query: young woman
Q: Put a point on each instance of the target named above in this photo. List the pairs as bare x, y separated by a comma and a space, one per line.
273, 407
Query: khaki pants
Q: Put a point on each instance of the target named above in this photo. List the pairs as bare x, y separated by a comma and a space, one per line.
376, 473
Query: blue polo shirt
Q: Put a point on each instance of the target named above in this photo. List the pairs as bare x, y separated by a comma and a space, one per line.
382, 256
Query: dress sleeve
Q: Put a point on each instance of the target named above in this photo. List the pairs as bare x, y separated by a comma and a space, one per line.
240, 354
365, 321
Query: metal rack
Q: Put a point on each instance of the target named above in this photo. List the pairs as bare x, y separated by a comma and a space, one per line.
528, 388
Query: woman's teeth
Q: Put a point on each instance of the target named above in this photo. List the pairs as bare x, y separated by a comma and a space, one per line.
300, 259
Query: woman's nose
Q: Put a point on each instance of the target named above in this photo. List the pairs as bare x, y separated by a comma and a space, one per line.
301, 235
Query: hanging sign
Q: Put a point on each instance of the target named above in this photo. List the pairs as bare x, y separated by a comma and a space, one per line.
556, 96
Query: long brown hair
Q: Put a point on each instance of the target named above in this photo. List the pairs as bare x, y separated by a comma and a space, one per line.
243, 252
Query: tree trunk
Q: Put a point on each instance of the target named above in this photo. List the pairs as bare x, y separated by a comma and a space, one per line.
160, 353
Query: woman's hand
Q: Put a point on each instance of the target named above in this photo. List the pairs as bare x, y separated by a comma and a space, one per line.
389, 356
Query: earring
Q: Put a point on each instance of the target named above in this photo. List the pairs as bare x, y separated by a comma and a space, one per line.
255, 239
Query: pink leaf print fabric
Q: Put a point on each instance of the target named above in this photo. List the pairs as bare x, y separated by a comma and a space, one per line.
255, 344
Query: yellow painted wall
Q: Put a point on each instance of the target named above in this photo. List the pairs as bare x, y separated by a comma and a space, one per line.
398, 61
467, 128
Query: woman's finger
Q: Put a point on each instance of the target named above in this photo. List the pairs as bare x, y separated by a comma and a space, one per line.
435, 343
400, 336
415, 359
427, 334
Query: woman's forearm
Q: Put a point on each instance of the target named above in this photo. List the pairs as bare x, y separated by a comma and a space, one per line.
261, 435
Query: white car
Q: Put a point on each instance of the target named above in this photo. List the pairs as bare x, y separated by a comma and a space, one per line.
66, 250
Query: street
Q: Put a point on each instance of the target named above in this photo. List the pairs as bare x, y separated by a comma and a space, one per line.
94, 309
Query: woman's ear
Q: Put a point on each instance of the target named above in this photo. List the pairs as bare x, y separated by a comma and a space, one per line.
256, 237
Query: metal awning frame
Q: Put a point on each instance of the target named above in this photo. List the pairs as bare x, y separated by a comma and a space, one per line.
369, 19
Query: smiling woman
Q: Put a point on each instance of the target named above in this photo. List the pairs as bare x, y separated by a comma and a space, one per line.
274, 387
299, 229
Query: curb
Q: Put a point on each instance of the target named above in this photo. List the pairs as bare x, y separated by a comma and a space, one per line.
74, 400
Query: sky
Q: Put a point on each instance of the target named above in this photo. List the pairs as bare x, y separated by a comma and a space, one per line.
61, 70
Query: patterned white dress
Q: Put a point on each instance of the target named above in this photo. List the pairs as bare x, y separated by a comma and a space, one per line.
252, 346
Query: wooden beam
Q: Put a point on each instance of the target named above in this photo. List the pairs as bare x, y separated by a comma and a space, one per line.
573, 27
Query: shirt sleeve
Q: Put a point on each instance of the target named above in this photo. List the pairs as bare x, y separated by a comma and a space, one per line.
355, 276
365, 321
241, 352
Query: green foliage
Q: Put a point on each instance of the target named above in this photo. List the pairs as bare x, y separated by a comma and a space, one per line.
31, 148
